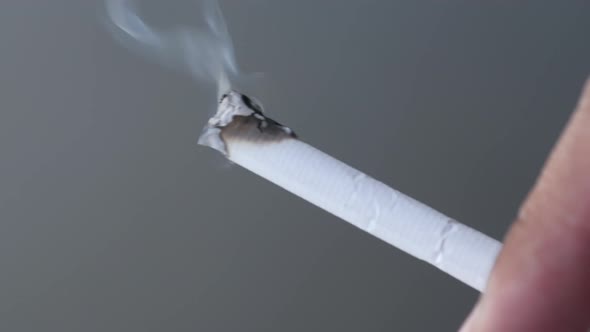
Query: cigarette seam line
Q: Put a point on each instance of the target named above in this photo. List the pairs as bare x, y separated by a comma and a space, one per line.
445, 233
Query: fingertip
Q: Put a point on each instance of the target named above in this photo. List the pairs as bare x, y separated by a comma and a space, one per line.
541, 280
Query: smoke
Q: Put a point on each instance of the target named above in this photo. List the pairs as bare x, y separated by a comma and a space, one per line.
207, 53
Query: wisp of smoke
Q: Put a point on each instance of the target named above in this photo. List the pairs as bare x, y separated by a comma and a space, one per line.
207, 53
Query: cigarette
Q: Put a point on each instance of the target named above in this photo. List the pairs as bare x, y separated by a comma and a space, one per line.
246, 136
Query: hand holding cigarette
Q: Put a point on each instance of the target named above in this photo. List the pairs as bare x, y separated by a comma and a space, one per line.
541, 281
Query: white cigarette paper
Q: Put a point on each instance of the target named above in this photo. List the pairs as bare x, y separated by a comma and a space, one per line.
247, 137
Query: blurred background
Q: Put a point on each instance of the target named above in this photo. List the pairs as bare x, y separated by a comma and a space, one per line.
113, 219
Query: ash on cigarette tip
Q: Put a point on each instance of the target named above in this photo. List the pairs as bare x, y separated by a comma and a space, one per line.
239, 117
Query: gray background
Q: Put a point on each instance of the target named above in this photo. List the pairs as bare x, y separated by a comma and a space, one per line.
113, 219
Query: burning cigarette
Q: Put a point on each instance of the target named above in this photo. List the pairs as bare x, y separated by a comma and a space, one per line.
247, 137
242, 132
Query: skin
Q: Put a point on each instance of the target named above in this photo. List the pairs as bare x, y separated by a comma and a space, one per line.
541, 280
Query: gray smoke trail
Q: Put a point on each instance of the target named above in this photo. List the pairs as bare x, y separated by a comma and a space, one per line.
207, 53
